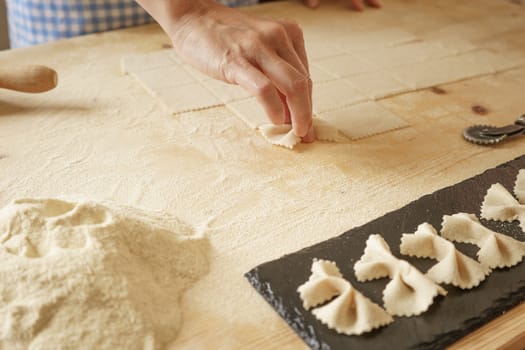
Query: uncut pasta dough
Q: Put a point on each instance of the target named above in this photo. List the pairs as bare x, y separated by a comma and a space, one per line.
85, 273
181, 89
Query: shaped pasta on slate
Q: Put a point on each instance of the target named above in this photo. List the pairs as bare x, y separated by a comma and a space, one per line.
519, 186
496, 249
350, 312
499, 204
409, 292
453, 267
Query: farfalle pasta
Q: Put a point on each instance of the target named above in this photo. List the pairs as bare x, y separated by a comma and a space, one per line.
453, 267
283, 135
519, 186
350, 312
409, 292
499, 204
496, 250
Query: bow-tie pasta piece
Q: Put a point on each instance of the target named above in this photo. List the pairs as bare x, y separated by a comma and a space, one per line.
283, 135
350, 312
500, 205
252, 113
409, 292
496, 250
453, 267
319, 287
519, 186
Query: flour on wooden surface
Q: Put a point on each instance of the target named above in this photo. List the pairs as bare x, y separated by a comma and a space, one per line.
83, 274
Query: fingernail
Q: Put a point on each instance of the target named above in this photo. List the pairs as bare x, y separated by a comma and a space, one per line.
313, 3
310, 136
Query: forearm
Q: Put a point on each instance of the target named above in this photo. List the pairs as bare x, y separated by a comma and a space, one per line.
172, 14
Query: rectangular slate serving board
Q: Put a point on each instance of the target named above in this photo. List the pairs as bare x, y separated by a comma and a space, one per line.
448, 319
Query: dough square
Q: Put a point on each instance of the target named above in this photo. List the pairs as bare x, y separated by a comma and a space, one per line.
145, 61
377, 85
187, 97
174, 56
497, 62
250, 111
445, 70
334, 95
388, 57
198, 75
226, 92
318, 50
456, 45
376, 39
163, 77
363, 120
318, 75
345, 65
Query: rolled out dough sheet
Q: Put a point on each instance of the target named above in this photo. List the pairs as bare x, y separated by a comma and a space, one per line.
453, 68
318, 75
389, 37
420, 51
250, 112
187, 97
159, 78
146, 61
376, 85
334, 95
181, 88
226, 92
345, 65
363, 120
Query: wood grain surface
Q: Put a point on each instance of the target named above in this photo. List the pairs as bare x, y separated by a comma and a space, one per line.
99, 135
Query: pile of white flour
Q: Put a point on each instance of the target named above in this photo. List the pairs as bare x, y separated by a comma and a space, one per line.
83, 275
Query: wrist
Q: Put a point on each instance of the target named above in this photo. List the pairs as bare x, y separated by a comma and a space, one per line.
173, 15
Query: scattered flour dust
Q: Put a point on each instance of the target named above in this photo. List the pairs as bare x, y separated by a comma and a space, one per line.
85, 275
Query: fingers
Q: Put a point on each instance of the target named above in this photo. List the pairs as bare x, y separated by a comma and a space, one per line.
312, 3
268, 59
295, 35
257, 84
310, 136
359, 5
374, 3
294, 85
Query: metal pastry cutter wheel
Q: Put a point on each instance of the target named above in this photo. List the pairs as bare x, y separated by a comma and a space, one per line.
489, 135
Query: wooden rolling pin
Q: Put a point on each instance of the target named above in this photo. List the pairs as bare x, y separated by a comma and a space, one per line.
33, 78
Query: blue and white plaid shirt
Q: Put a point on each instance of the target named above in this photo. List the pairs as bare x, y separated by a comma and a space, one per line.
38, 21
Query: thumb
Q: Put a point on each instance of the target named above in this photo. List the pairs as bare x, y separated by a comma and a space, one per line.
312, 3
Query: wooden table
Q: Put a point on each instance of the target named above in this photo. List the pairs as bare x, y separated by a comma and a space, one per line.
99, 135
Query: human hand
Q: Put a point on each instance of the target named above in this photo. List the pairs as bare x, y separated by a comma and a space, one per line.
264, 56
358, 5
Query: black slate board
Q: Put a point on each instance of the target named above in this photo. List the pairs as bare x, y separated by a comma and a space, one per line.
448, 319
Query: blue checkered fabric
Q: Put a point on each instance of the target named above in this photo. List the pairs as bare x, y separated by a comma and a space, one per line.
38, 21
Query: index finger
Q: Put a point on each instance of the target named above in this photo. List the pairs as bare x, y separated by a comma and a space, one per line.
292, 84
